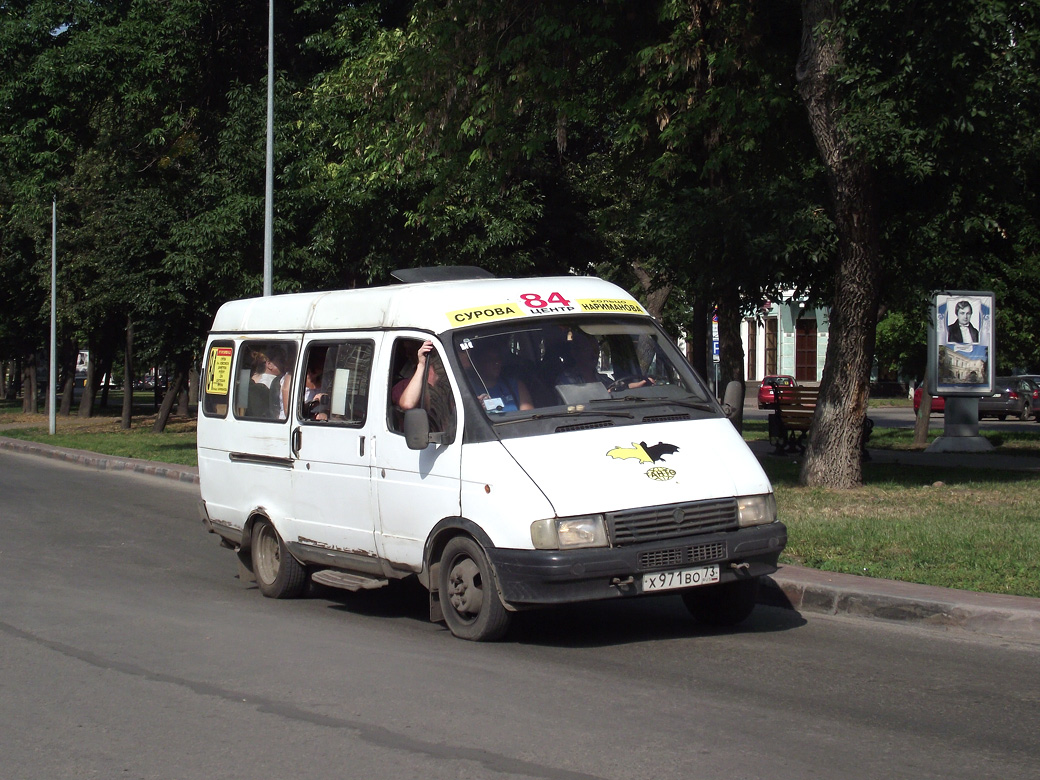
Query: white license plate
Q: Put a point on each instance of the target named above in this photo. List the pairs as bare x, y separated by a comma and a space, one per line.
683, 578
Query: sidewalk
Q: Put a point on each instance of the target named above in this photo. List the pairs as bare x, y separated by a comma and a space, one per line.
792, 587
972, 460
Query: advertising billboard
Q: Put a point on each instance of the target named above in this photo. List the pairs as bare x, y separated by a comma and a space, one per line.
961, 343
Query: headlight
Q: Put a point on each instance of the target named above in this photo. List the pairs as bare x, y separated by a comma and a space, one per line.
756, 510
568, 533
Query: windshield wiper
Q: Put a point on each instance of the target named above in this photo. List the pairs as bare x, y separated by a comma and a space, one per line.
571, 413
701, 406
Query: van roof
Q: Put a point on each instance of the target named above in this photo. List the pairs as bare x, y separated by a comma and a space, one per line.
433, 306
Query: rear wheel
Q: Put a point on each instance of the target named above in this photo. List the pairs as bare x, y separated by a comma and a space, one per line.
1027, 413
722, 605
468, 596
278, 574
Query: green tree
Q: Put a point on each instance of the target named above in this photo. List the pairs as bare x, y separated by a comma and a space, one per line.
921, 112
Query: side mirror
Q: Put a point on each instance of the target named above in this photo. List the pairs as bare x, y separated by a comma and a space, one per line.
733, 404
417, 429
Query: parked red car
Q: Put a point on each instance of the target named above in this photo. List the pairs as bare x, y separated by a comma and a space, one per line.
938, 402
765, 390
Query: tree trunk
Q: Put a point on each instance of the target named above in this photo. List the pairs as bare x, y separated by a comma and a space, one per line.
924, 415
173, 389
834, 455
193, 386
29, 394
128, 376
106, 378
656, 295
697, 343
731, 351
68, 373
176, 392
185, 369
86, 401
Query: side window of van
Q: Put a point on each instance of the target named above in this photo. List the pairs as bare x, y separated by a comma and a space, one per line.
439, 401
335, 389
264, 379
217, 387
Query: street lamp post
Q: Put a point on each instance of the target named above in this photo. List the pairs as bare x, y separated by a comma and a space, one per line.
52, 396
269, 195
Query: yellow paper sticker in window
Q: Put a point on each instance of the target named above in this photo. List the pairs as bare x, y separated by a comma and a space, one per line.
610, 306
218, 372
498, 311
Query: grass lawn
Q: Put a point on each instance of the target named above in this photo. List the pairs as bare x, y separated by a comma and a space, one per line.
957, 528
976, 529
102, 434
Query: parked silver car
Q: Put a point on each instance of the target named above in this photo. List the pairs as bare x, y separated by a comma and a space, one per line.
1013, 395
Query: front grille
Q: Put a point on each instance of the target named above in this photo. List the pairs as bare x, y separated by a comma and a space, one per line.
682, 556
651, 524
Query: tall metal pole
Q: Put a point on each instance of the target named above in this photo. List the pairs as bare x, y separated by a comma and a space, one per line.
269, 199
53, 391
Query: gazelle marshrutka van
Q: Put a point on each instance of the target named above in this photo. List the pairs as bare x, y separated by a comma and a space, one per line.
511, 443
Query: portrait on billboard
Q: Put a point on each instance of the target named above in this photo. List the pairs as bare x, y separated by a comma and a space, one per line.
961, 329
964, 330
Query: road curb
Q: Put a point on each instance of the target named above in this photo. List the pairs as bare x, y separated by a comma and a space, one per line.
811, 590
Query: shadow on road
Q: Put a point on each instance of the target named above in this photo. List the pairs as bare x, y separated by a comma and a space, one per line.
595, 624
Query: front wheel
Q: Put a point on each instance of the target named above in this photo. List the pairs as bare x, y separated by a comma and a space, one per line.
722, 605
468, 596
278, 574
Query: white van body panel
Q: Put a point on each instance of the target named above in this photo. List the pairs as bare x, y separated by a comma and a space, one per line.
243, 490
607, 470
333, 493
499, 496
414, 488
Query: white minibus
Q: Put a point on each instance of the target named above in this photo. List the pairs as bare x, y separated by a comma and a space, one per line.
511, 443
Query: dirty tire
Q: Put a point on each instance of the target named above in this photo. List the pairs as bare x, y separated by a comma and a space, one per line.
278, 574
722, 605
468, 596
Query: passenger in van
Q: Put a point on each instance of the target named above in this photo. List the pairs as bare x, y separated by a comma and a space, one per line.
495, 388
581, 366
315, 399
440, 404
406, 392
581, 361
261, 379
282, 382
261, 375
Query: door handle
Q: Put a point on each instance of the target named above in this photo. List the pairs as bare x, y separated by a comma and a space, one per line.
297, 441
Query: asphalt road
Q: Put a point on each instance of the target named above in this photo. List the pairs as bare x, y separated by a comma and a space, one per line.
129, 649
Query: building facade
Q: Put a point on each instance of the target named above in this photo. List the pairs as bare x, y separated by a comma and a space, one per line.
790, 338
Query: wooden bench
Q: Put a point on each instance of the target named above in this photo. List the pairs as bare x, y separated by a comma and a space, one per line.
793, 412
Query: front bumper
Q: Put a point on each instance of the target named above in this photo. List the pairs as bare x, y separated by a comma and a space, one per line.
539, 577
